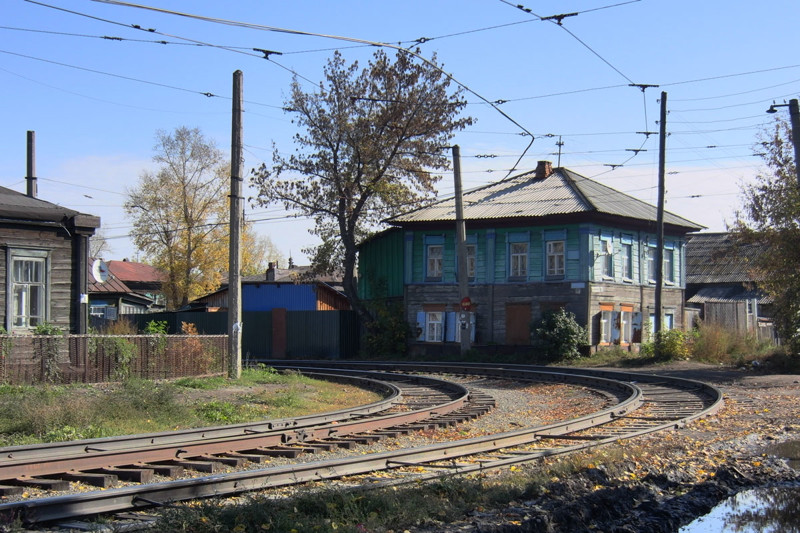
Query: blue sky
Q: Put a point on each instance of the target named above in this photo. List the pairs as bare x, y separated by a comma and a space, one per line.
96, 103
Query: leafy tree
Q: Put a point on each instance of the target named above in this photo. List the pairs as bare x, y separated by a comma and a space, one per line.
257, 252
181, 212
770, 218
368, 143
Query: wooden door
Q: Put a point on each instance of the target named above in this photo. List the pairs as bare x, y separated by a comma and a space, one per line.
518, 323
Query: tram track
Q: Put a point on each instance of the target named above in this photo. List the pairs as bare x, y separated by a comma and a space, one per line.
642, 404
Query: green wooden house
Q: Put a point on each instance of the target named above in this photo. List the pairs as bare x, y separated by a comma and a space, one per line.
538, 241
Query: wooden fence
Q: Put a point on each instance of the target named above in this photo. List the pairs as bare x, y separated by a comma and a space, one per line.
27, 359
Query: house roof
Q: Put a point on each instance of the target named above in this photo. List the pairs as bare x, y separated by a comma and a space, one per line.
113, 285
563, 192
18, 206
132, 271
729, 294
718, 258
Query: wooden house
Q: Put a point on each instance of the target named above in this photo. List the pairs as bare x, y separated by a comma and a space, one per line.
722, 285
126, 288
535, 242
43, 263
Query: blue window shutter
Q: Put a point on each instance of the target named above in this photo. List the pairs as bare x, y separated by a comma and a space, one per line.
421, 325
450, 325
637, 327
615, 323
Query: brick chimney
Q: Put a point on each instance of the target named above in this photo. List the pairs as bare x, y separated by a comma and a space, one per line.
271, 272
543, 169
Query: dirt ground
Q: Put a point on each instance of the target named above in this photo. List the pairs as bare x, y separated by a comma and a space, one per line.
663, 482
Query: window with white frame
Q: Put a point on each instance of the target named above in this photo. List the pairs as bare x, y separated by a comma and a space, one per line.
650, 259
669, 265
668, 322
555, 258
626, 325
607, 251
28, 288
626, 250
518, 252
434, 262
472, 252
606, 325
434, 326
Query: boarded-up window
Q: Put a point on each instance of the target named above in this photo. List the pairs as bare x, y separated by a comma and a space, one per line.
518, 320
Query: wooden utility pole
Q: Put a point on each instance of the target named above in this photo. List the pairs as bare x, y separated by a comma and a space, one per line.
662, 163
234, 252
461, 253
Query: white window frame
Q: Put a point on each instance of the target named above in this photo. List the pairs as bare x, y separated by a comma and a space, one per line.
20, 288
669, 265
472, 254
434, 326
556, 259
626, 326
434, 261
627, 260
606, 326
650, 260
607, 267
518, 259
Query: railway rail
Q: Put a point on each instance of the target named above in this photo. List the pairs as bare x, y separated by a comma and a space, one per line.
640, 404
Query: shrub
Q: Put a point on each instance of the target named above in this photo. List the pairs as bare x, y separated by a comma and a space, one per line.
668, 344
558, 335
388, 333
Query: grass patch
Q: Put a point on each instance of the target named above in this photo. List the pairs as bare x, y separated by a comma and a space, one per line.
381, 510
48, 413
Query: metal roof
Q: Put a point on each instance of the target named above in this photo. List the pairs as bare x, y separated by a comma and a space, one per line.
563, 192
729, 294
18, 206
718, 258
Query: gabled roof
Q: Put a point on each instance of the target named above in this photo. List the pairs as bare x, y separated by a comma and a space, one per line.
132, 271
563, 192
18, 206
718, 258
113, 285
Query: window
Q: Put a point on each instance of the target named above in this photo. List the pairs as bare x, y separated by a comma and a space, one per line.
434, 326
28, 289
608, 258
555, 258
471, 256
518, 260
668, 323
650, 258
626, 324
434, 262
627, 260
606, 324
669, 265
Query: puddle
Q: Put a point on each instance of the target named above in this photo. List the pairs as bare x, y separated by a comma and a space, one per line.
789, 450
764, 510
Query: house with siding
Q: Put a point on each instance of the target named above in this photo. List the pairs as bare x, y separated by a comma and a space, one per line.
722, 284
43, 263
126, 288
291, 289
535, 242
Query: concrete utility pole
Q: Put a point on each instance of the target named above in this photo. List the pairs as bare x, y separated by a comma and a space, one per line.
461, 253
235, 253
662, 158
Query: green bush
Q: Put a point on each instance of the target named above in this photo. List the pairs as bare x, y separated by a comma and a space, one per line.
668, 344
558, 336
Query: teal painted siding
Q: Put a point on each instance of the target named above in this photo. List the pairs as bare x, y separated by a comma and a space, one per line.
584, 255
380, 266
